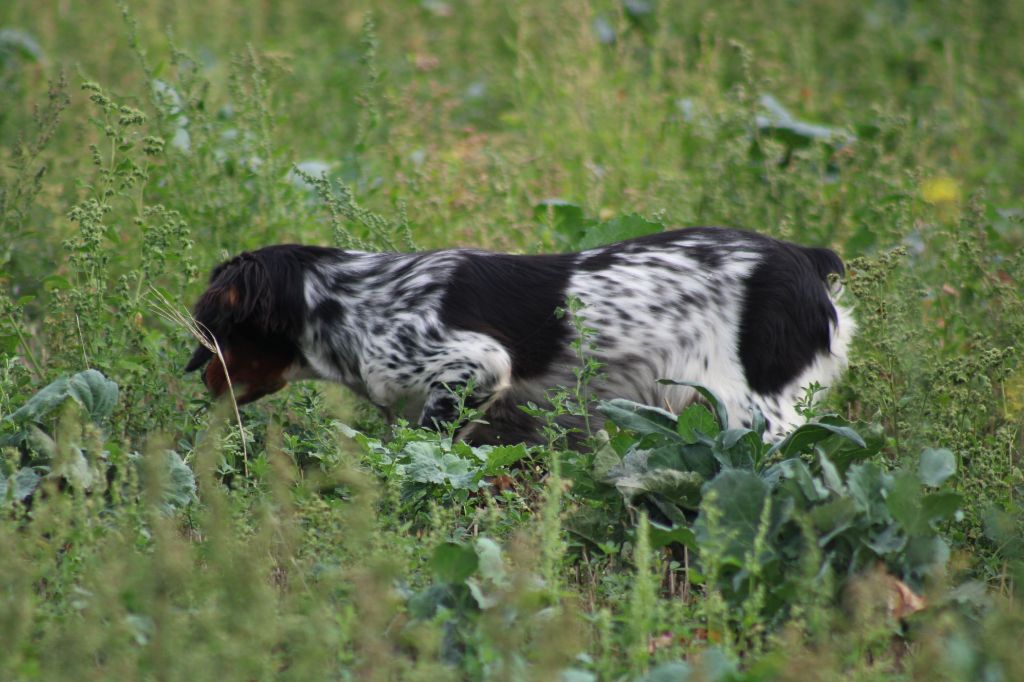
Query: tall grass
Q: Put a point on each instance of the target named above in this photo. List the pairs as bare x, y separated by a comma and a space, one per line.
139, 145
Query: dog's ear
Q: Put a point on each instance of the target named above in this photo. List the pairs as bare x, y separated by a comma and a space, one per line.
261, 290
239, 293
200, 357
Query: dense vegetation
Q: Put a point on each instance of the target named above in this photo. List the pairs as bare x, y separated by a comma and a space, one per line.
145, 535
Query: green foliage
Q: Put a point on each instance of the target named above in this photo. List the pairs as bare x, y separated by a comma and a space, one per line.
453, 563
49, 444
576, 232
141, 540
96, 394
755, 500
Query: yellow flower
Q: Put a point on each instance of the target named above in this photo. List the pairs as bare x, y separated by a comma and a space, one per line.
940, 190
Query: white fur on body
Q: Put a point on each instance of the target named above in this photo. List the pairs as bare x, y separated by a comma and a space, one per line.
382, 332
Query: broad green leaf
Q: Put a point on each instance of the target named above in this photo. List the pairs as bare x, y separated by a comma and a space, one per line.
480, 595
642, 419
679, 487
492, 564
93, 391
662, 536
904, 503
493, 578
467, 451
592, 524
41, 442
923, 557
737, 448
453, 563
636, 475
868, 486
429, 464
941, 506
844, 452
605, 459
833, 518
699, 458
739, 497
71, 464
617, 230
425, 463
886, 542
708, 395
758, 423
178, 483
806, 436
668, 509
695, 457
567, 219
502, 456
935, 466
20, 486
810, 487
42, 403
830, 476
424, 604
696, 421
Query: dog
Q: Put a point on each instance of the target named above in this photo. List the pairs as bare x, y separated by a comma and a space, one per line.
753, 318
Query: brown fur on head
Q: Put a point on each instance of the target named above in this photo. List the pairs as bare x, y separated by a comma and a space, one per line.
259, 371
254, 307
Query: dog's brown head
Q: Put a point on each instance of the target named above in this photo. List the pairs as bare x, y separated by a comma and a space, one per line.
255, 308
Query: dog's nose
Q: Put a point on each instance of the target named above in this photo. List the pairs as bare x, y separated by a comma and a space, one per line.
214, 378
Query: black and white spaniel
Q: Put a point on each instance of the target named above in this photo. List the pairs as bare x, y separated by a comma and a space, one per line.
753, 318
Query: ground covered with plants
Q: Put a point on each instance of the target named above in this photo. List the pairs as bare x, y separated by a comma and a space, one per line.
148, 533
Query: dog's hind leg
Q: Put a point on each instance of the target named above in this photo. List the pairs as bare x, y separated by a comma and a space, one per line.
473, 365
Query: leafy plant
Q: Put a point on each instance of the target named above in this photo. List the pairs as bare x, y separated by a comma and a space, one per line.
744, 505
577, 232
50, 449
432, 467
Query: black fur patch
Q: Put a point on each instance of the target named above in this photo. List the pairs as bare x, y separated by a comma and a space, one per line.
786, 314
513, 299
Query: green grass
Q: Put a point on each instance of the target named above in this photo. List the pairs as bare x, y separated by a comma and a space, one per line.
140, 146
